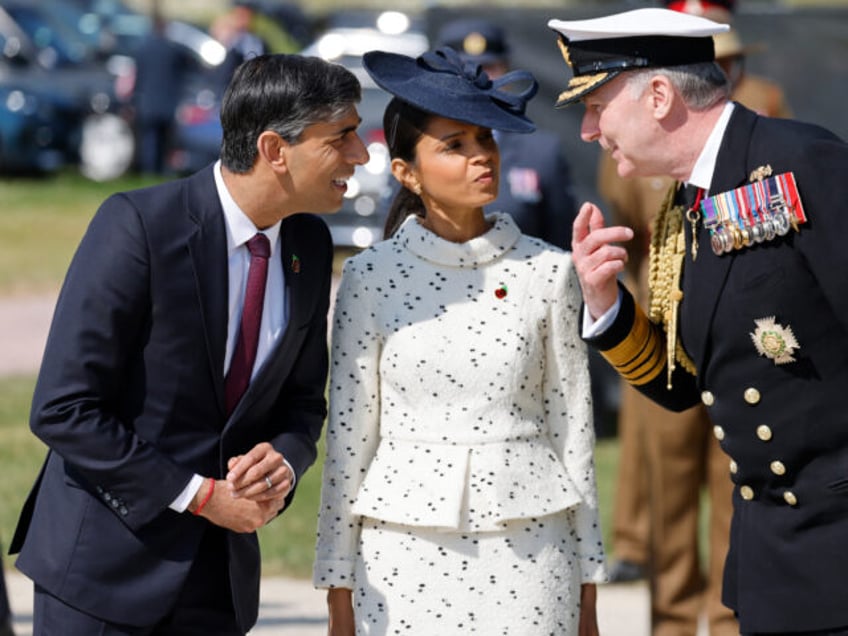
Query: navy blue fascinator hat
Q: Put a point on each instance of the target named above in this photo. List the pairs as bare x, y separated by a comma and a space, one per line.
441, 83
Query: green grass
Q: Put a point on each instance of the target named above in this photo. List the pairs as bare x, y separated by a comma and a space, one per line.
288, 543
41, 223
21, 453
606, 470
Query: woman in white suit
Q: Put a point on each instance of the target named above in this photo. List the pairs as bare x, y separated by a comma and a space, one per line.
459, 490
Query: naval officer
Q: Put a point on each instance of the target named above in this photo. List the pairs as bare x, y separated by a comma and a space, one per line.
749, 301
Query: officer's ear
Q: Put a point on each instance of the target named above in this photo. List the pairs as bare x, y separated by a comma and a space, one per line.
661, 96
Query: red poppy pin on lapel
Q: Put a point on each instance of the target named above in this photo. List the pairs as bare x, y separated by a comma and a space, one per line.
295, 264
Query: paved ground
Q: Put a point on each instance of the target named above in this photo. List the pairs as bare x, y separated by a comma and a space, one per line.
288, 607
293, 608
24, 322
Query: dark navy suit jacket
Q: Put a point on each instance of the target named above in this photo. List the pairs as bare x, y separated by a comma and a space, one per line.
130, 400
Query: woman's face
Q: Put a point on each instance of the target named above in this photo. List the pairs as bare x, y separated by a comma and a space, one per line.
457, 165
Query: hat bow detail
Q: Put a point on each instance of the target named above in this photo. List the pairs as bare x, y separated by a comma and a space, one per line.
447, 60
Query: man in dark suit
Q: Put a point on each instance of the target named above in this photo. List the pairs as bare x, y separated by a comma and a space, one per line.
161, 468
536, 188
749, 302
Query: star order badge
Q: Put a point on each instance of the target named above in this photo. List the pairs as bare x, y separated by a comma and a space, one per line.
774, 341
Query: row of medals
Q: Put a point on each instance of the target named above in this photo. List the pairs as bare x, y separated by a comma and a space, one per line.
775, 220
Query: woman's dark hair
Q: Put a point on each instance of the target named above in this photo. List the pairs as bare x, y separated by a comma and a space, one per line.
282, 93
403, 125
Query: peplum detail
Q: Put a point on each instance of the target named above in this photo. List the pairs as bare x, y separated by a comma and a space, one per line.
475, 487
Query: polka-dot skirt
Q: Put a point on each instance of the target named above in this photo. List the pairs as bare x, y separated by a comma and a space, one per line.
522, 581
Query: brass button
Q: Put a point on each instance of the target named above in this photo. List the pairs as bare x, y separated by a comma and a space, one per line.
790, 498
733, 467
707, 398
718, 431
764, 432
752, 396
778, 468
747, 493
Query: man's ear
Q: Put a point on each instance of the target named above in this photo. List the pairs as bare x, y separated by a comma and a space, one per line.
662, 95
272, 149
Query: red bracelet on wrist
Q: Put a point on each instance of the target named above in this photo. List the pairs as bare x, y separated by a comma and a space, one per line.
206, 498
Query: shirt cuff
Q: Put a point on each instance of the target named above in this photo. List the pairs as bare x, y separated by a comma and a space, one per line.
184, 498
294, 476
594, 329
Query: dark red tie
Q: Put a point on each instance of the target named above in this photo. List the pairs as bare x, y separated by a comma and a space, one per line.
241, 365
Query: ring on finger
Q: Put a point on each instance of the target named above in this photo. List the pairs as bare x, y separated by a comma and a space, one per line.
269, 482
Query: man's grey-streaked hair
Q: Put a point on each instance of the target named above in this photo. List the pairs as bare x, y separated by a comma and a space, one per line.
285, 94
701, 85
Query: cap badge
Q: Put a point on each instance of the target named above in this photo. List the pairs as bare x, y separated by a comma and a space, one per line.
474, 44
774, 341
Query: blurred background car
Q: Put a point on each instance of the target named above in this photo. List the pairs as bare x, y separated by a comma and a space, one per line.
39, 129
46, 67
77, 58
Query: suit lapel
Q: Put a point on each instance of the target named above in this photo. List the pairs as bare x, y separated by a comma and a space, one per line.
207, 247
705, 278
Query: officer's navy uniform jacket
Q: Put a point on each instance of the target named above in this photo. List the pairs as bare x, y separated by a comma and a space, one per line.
783, 426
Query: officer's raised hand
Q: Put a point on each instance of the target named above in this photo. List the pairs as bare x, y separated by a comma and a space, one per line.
597, 258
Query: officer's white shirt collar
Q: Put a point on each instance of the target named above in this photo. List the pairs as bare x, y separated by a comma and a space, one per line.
702, 172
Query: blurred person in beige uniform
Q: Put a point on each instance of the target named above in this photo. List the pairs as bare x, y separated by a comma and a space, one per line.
656, 514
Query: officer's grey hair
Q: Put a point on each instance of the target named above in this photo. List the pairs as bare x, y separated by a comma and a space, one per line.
701, 85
